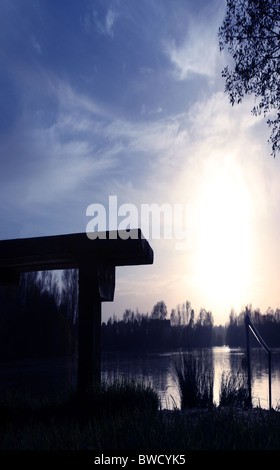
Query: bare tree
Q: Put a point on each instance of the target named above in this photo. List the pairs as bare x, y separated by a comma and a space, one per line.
70, 293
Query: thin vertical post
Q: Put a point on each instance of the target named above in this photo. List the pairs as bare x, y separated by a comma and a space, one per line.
248, 360
269, 377
249, 325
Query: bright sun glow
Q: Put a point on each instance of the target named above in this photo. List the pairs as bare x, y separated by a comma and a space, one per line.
223, 234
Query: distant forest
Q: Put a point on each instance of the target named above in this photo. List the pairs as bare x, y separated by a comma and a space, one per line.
40, 319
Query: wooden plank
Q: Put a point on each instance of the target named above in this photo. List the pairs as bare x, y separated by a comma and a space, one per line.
68, 251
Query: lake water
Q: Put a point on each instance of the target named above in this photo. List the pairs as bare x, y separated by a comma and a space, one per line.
44, 376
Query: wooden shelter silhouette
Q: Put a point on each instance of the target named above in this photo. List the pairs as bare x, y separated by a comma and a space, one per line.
96, 258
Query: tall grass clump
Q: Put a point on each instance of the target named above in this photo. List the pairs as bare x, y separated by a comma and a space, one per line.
106, 399
194, 379
124, 395
234, 390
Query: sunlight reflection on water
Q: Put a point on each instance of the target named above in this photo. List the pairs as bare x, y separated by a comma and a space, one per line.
156, 369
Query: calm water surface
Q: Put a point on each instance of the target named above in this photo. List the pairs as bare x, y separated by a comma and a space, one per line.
44, 376
156, 369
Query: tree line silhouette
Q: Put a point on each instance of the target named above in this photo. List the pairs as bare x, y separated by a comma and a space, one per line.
267, 324
40, 319
143, 331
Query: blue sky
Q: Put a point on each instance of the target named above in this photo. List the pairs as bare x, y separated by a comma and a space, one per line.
126, 98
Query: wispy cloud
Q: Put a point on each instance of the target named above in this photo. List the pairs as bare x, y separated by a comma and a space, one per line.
36, 45
91, 153
102, 25
198, 53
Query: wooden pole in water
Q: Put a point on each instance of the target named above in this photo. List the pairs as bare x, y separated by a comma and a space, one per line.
269, 378
249, 325
247, 320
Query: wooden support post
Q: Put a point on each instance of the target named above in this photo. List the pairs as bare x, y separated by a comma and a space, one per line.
96, 284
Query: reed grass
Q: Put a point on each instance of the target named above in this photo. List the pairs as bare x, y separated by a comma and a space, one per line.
194, 379
127, 416
234, 389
